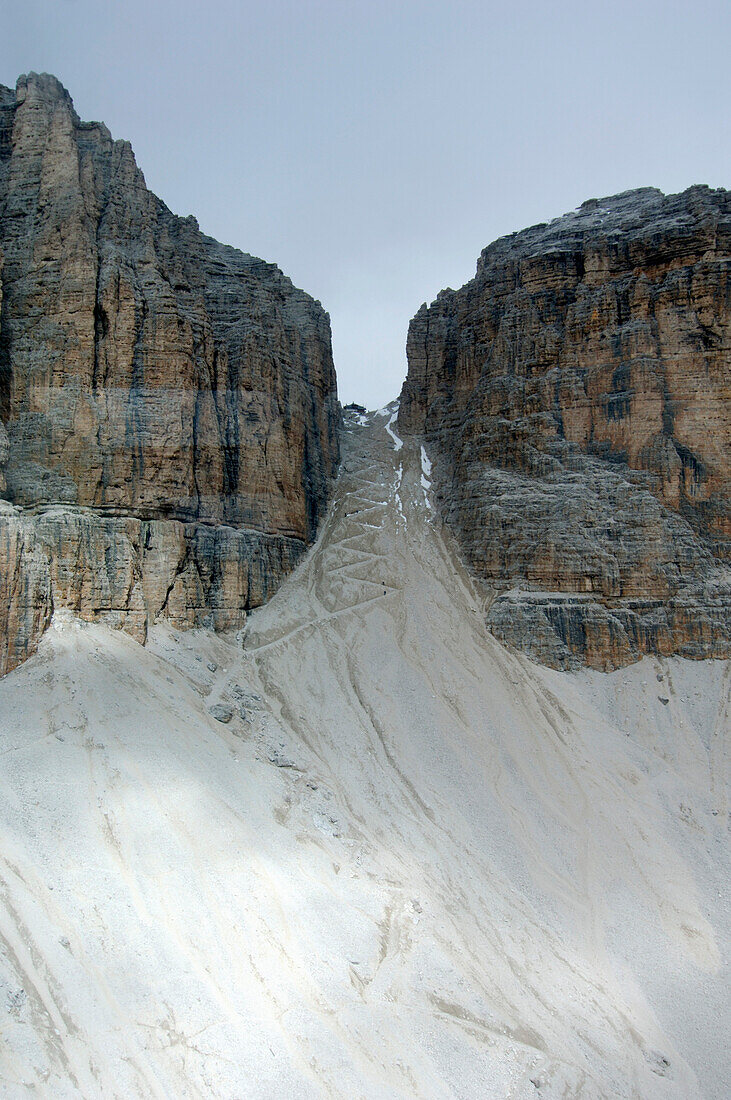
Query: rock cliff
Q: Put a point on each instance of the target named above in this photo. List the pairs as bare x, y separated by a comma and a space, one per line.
575, 399
168, 406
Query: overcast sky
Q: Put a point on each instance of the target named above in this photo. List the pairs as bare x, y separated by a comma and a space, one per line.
372, 149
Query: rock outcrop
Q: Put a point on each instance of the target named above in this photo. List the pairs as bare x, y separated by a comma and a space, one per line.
168, 406
575, 400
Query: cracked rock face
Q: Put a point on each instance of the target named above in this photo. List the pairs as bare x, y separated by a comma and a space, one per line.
575, 399
168, 406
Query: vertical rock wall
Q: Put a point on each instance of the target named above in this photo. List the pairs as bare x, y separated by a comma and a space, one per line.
576, 396
168, 405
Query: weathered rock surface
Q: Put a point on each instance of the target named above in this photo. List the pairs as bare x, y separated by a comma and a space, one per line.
575, 400
168, 406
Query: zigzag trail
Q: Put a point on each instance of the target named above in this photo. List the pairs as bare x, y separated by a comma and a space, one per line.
413, 865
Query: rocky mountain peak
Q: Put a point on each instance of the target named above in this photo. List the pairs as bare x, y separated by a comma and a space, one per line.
575, 393
174, 397
634, 219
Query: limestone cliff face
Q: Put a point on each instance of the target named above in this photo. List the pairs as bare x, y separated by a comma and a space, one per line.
168, 406
576, 395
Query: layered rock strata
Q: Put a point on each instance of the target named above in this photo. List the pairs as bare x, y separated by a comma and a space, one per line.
168, 406
574, 396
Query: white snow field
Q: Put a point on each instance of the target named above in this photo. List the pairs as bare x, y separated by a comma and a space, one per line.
412, 865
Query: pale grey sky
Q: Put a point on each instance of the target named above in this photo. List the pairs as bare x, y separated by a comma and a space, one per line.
372, 149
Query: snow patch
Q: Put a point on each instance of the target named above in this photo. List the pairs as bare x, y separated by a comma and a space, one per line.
426, 478
397, 441
397, 490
